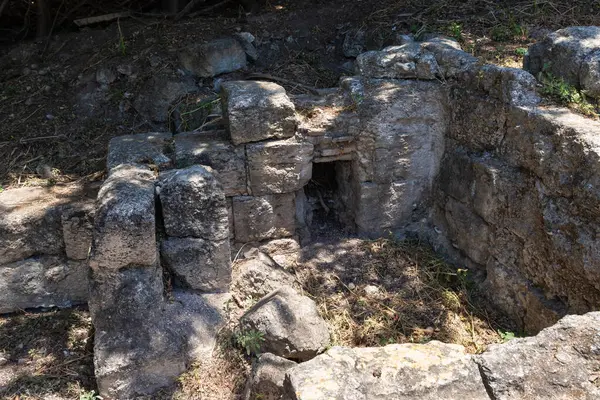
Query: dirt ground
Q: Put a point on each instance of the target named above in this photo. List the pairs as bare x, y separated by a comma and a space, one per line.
55, 124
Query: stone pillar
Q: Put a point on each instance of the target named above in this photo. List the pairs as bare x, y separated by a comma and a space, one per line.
135, 351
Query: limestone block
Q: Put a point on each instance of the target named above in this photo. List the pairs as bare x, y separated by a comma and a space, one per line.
214, 58
280, 166
124, 226
136, 349
77, 227
199, 264
561, 362
194, 204
229, 161
257, 111
43, 281
429, 371
264, 217
267, 377
290, 323
143, 148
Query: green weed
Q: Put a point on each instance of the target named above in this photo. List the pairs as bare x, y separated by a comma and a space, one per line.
456, 31
521, 51
507, 32
565, 94
250, 340
121, 44
506, 335
91, 395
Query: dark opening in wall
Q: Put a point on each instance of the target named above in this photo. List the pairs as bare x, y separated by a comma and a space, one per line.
329, 198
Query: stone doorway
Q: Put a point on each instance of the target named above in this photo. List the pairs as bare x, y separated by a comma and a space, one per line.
329, 198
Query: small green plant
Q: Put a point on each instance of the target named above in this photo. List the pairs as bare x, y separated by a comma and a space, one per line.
506, 335
1, 189
91, 395
250, 340
121, 45
456, 31
562, 92
521, 51
509, 31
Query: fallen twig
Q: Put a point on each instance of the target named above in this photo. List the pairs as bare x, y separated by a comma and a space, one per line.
101, 18
37, 139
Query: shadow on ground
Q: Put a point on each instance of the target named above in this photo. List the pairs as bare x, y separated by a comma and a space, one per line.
48, 355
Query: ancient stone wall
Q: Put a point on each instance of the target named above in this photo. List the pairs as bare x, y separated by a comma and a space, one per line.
423, 141
45, 237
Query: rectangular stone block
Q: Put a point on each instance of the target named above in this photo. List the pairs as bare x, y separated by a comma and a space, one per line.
256, 111
142, 148
46, 281
199, 264
229, 161
193, 204
279, 166
124, 227
264, 217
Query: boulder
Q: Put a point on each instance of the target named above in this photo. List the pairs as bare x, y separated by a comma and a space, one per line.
396, 372
397, 62
214, 58
142, 148
254, 278
229, 161
258, 218
44, 281
198, 263
278, 166
256, 111
290, 324
561, 362
267, 377
124, 226
434, 58
571, 53
284, 252
246, 39
159, 93
193, 204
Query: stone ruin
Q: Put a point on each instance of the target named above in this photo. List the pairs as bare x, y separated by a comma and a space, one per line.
424, 142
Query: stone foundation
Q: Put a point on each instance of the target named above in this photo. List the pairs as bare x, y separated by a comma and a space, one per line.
45, 237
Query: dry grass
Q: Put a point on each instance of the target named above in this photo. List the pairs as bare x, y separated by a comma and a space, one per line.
418, 298
49, 355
